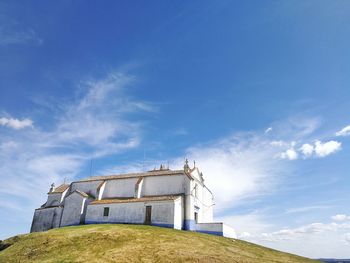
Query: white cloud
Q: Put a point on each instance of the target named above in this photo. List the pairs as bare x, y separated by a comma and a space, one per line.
268, 130
344, 132
289, 154
307, 240
93, 125
278, 143
347, 238
317, 149
340, 217
20, 37
246, 225
307, 149
16, 123
323, 149
11, 32
98, 119
305, 209
238, 167
297, 127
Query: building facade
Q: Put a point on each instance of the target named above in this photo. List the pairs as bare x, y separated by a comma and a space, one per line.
168, 198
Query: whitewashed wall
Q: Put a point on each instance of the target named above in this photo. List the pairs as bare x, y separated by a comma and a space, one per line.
86, 187
53, 199
207, 206
216, 229
179, 213
119, 188
163, 213
133, 213
165, 185
46, 218
229, 231
74, 209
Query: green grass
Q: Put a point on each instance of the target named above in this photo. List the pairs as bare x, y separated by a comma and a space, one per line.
134, 243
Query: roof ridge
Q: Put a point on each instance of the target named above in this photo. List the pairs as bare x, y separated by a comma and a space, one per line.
131, 175
81, 193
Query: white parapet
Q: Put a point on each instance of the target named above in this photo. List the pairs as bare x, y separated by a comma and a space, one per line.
228, 231
219, 229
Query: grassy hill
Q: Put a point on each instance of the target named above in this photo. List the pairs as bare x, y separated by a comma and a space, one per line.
134, 243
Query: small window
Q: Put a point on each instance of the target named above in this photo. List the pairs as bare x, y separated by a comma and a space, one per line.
196, 191
106, 211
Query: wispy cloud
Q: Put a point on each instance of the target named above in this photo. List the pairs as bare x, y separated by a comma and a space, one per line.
344, 132
305, 209
16, 123
347, 237
95, 124
238, 167
247, 164
13, 33
28, 36
268, 130
247, 225
307, 239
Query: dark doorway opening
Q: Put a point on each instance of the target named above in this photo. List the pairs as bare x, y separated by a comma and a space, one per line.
148, 217
106, 211
196, 217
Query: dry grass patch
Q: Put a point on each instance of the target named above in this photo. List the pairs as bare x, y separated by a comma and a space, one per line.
134, 243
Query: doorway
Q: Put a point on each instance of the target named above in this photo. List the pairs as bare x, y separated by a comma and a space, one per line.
148, 217
196, 217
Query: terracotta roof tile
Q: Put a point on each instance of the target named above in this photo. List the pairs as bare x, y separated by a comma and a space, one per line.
81, 193
60, 189
132, 200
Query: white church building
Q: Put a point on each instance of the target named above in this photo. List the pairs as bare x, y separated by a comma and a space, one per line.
162, 197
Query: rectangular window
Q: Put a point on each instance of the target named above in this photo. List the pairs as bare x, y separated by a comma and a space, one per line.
105, 211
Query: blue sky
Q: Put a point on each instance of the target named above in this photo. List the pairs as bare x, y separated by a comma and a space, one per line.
255, 91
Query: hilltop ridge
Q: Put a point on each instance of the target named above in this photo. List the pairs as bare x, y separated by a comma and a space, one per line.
134, 243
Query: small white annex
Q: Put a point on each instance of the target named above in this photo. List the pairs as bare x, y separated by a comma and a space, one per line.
168, 198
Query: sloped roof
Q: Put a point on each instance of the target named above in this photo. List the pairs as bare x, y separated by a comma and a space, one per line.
133, 200
60, 189
81, 193
136, 175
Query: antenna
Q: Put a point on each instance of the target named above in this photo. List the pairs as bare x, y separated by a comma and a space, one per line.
143, 161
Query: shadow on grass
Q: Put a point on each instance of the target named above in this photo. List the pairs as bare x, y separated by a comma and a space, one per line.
3, 245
